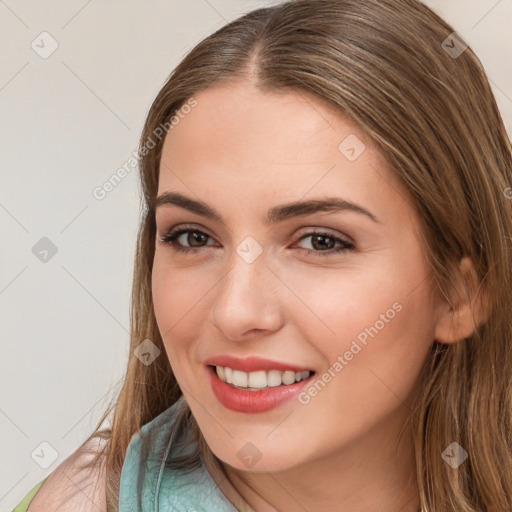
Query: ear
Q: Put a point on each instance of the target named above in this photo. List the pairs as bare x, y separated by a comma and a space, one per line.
466, 308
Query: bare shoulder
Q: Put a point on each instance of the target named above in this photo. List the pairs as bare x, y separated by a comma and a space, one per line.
70, 487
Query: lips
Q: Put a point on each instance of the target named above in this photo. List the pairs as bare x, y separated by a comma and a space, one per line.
253, 401
253, 364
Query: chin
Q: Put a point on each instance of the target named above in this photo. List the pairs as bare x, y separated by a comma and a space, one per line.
256, 457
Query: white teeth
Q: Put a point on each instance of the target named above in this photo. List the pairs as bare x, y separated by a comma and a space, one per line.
240, 379
260, 379
257, 379
274, 378
288, 377
228, 374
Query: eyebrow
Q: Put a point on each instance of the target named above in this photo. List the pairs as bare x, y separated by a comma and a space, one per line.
274, 215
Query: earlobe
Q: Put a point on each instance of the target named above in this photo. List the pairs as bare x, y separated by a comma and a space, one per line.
466, 308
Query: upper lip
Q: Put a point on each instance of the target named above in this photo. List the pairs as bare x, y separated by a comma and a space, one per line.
252, 364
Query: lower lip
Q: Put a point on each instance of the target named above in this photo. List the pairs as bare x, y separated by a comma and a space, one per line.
240, 400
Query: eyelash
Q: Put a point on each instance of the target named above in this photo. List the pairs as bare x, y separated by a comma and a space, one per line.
171, 237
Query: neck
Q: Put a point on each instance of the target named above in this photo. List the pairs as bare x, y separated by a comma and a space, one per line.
375, 472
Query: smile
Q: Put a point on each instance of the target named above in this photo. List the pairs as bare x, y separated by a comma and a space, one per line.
258, 391
255, 381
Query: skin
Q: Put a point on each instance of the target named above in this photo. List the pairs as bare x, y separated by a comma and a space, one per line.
242, 152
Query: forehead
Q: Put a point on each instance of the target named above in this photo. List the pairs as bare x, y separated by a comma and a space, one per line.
241, 144
240, 120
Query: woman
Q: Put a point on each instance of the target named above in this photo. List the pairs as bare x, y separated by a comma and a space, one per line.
322, 289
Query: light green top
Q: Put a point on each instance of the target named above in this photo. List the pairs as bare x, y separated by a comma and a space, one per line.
25, 502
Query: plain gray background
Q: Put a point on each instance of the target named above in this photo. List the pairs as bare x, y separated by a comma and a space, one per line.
68, 121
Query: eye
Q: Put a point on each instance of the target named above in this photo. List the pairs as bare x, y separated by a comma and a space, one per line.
323, 243
194, 237
321, 240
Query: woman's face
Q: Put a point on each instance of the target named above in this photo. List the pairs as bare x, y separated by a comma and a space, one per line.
342, 292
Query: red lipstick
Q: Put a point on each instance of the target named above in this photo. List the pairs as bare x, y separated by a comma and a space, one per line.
249, 401
252, 364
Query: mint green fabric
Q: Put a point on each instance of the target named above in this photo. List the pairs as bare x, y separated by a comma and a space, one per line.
147, 485
23, 505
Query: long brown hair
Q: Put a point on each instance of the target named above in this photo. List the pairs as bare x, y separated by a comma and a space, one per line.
387, 66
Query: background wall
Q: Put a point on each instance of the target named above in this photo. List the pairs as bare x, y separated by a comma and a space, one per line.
76, 80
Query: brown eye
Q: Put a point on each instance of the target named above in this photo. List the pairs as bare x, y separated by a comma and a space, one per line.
323, 244
194, 238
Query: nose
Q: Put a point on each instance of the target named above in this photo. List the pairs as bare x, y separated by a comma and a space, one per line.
247, 301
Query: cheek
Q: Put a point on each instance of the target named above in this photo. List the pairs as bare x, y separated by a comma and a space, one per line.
337, 304
174, 290
373, 318
179, 299
373, 338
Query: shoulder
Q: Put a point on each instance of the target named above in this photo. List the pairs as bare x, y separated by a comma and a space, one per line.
72, 487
